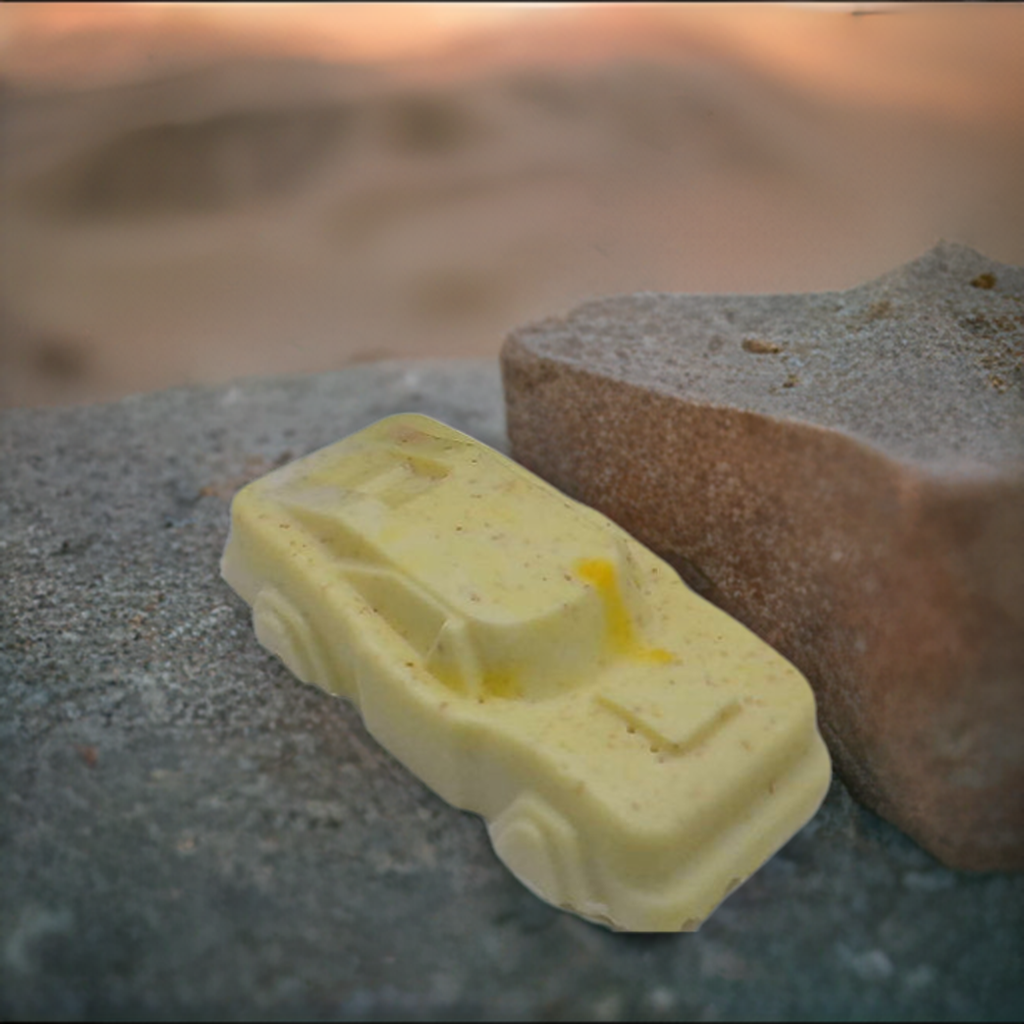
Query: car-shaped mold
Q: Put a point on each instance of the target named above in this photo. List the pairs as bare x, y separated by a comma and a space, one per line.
635, 752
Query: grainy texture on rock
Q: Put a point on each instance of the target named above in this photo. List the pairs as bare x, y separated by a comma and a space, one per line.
844, 473
187, 831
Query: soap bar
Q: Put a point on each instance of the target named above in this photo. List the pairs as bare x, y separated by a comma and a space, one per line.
635, 752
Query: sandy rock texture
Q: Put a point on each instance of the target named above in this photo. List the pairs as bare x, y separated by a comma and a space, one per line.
187, 832
844, 473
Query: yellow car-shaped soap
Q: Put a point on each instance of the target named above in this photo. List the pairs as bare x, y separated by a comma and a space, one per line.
635, 752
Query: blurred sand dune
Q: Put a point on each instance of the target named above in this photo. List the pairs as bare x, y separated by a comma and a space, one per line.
230, 210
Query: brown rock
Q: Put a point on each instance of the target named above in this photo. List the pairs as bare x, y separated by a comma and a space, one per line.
844, 473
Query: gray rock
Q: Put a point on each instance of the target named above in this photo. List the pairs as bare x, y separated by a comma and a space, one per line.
844, 473
187, 831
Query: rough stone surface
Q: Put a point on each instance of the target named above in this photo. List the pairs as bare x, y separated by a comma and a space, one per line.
187, 831
843, 472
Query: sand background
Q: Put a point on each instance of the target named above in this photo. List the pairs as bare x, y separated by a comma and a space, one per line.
190, 194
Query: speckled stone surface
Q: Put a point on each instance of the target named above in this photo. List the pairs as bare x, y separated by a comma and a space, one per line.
187, 831
844, 473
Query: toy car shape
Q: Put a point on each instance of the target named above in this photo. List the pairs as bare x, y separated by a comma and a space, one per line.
636, 753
